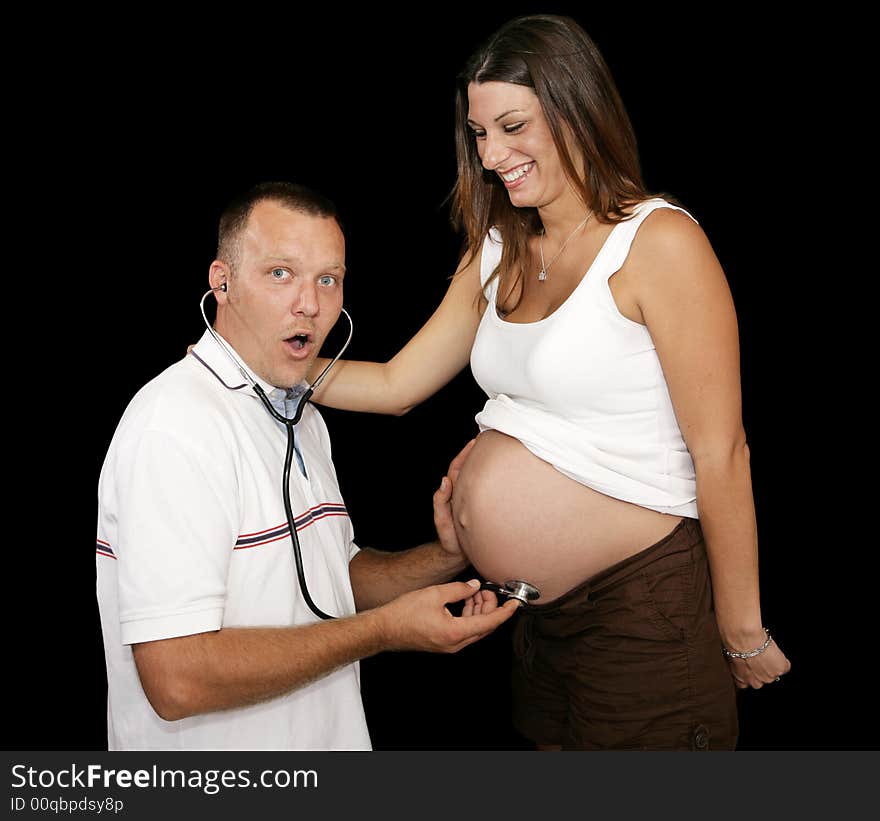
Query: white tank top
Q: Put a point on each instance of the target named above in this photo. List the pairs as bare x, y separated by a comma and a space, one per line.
583, 388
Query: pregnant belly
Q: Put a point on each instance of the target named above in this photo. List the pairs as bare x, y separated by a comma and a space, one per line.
517, 517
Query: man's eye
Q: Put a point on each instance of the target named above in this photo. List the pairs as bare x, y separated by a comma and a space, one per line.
280, 273
327, 279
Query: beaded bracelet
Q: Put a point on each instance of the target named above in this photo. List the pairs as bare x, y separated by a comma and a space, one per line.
752, 653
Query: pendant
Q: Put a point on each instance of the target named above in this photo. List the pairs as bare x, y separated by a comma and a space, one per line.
542, 275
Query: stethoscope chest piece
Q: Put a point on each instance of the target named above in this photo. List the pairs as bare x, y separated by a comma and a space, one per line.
514, 589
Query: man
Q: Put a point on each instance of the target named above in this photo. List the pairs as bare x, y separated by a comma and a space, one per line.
208, 641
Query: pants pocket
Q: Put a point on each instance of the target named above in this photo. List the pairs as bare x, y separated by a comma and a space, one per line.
667, 594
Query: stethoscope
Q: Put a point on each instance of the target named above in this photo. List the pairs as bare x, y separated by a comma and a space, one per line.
515, 589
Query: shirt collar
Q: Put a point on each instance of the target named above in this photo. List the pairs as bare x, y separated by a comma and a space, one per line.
209, 352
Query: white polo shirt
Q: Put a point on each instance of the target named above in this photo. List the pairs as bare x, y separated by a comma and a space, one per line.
192, 537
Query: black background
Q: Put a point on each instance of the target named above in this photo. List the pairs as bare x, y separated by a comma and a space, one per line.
137, 139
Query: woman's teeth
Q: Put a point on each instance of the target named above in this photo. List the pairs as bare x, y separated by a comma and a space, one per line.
514, 175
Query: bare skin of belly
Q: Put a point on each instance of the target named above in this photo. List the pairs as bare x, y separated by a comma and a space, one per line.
517, 517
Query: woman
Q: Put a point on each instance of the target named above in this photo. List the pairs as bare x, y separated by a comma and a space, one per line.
612, 470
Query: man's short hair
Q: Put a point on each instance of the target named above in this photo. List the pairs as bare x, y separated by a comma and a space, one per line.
288, 194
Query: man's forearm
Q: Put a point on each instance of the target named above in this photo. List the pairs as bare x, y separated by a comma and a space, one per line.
378, 577
236, 667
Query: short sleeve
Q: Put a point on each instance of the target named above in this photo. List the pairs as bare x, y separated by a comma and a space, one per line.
178, 514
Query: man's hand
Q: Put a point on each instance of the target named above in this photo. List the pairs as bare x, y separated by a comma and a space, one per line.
420, 621
482, 602
442, 503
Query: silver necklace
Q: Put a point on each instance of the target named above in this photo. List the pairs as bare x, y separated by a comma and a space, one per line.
542, 274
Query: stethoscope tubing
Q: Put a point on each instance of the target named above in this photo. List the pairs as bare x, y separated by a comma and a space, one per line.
288, 509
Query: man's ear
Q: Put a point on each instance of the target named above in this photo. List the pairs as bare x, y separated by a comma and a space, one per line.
218, 277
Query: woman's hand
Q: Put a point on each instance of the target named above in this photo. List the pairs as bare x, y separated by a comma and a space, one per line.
443, 520
765, 668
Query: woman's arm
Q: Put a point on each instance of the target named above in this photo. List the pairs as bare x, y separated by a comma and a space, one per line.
687, 306
428, 361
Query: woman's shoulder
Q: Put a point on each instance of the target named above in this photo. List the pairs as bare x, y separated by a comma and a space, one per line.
665, 227
670, 209
669, 245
